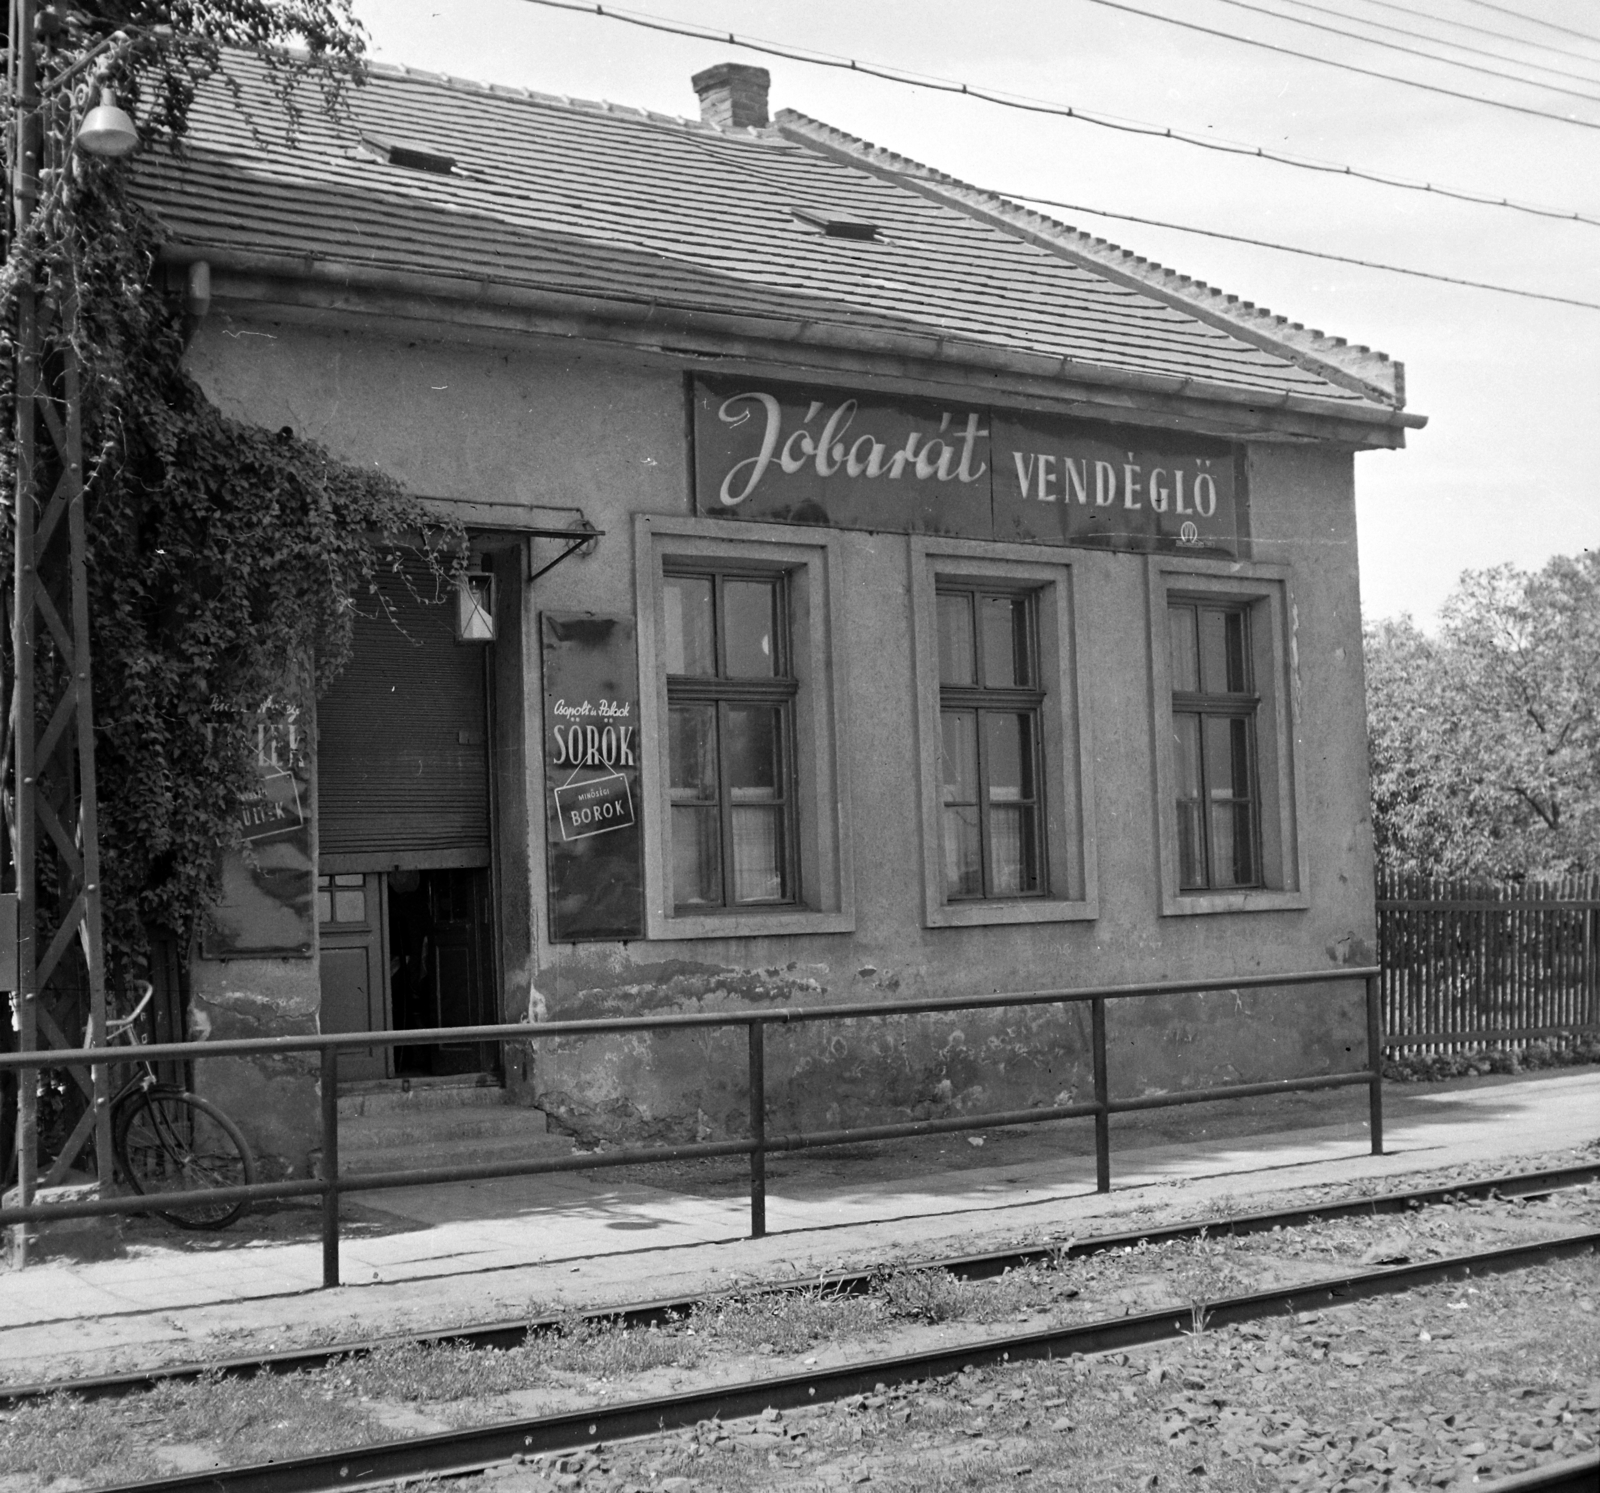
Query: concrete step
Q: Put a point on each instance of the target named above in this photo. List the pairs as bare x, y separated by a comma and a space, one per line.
452, 1152
401, 1129
420, 1094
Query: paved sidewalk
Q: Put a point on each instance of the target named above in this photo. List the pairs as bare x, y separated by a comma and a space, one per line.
473, 1252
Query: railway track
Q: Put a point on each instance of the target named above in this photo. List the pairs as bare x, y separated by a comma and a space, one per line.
981, 1266
1574, 1475
461, 1453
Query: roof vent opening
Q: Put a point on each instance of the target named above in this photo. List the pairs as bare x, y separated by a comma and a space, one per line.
733, 96
837, 224
414, 157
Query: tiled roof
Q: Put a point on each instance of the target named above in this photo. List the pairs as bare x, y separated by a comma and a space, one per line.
618, 205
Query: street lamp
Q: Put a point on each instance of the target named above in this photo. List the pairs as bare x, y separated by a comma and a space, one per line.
107, 130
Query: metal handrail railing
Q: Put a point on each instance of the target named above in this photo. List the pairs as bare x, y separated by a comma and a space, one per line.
331, 1186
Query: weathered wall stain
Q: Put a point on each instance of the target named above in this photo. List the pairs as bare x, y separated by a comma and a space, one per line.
272, 1098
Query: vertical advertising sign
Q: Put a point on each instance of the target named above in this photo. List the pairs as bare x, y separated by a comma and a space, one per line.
591, 769
268, 904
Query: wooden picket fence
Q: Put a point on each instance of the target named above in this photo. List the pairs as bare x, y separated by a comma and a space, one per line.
1467, 964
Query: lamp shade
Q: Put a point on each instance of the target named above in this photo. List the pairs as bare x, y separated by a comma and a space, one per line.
107, 130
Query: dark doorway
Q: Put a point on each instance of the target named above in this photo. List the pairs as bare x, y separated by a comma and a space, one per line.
441, 966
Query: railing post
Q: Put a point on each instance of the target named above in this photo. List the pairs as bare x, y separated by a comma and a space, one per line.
1102, 1098
330, 1166
758, 1129
1375, 1063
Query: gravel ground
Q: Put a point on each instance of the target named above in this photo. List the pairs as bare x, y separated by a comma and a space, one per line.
1426, 1390
1445, 1388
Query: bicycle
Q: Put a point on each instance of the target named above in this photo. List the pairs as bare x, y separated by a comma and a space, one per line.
165, 1139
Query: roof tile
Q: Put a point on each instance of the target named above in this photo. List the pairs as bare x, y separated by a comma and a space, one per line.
607, 201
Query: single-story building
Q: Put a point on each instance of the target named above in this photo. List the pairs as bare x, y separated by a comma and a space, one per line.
879, 590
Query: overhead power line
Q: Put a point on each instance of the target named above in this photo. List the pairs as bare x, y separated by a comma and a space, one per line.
1259, 243
1518, 41
1347, 67
1506, 10
1059, 111
1441, 41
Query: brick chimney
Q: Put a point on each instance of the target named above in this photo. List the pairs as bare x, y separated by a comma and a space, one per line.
733, 95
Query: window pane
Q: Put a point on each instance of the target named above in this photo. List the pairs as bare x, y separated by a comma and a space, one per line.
758, 858
1008, 752
960, 756
1185, 649
963, 856
350, 906
696, 857
1228, 774
1233, 844
1222, 652
1239, 756
1013, 850
753, 745
956, 658
1191, 808
749, 629
324, 906
1222, 844
1227, 756
686, 624
692, 750
1005, 641
1191, 843
1186, 754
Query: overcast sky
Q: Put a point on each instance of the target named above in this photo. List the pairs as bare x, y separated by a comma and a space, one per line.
1508, 468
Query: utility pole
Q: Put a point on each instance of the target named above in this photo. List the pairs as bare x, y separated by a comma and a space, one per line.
50, 803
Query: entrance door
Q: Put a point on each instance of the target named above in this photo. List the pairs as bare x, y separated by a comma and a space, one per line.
439, 959
403, 814
355, 992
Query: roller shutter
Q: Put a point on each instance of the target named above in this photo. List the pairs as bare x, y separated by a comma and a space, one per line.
402, 755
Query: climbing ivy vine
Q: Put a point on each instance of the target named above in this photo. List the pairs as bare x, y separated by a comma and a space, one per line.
226, 562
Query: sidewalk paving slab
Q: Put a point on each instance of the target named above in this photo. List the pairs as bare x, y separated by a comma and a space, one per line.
464, 1253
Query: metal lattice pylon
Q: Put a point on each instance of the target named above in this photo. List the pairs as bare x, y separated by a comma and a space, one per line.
50, 802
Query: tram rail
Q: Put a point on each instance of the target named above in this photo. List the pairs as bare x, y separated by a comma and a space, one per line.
460, 1453
1572, 1475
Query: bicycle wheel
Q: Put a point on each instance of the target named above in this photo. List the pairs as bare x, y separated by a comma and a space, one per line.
169, 1141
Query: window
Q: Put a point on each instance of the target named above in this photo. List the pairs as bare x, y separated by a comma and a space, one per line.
342, 898
730, 730
989, 703
1213, 745
1228, 781
1006, 818
744, 788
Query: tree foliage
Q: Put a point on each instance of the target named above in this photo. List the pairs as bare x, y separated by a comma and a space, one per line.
1485, 740
225, 562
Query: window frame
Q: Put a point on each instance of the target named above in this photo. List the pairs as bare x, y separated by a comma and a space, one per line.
818, 761
982, 699
1262, 592
721, 690
1068, 872
1204, 706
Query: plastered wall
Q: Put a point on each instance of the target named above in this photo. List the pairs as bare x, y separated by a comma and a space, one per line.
564, 425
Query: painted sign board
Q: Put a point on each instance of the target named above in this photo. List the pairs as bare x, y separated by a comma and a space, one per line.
594, 807
268, 903
591, 763
800, 455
